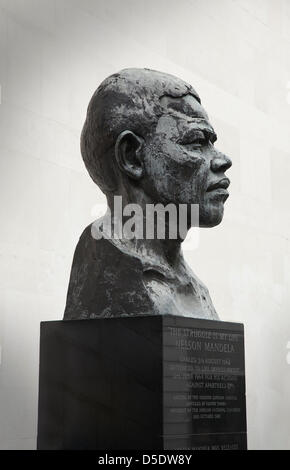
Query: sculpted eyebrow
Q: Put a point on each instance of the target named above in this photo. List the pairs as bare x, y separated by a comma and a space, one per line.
191, 133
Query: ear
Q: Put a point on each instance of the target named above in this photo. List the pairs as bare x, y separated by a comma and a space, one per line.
127, 153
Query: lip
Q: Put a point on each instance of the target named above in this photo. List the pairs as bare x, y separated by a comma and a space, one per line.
221, 184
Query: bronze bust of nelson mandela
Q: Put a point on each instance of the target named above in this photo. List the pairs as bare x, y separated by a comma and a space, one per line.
148, 140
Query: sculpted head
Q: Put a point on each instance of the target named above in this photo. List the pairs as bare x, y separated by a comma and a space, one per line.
147, 133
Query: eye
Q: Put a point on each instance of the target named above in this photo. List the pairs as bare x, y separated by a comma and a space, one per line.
197, 141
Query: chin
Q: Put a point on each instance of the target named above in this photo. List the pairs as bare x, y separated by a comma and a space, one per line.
211, 217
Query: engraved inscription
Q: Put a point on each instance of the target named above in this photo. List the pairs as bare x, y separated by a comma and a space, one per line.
204, 392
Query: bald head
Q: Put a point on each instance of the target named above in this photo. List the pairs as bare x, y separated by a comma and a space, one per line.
134, 100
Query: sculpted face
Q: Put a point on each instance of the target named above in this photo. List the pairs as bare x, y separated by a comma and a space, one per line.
182, 166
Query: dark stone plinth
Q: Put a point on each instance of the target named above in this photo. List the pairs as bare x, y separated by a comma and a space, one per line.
151, 382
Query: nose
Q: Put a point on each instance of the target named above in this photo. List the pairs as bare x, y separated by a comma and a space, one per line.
220, 162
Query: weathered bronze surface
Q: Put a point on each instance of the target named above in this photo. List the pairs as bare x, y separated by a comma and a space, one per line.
148, 139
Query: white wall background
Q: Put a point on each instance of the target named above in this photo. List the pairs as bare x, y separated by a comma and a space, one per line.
53, 54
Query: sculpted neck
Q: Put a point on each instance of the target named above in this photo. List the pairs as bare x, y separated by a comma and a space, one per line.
139, 228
